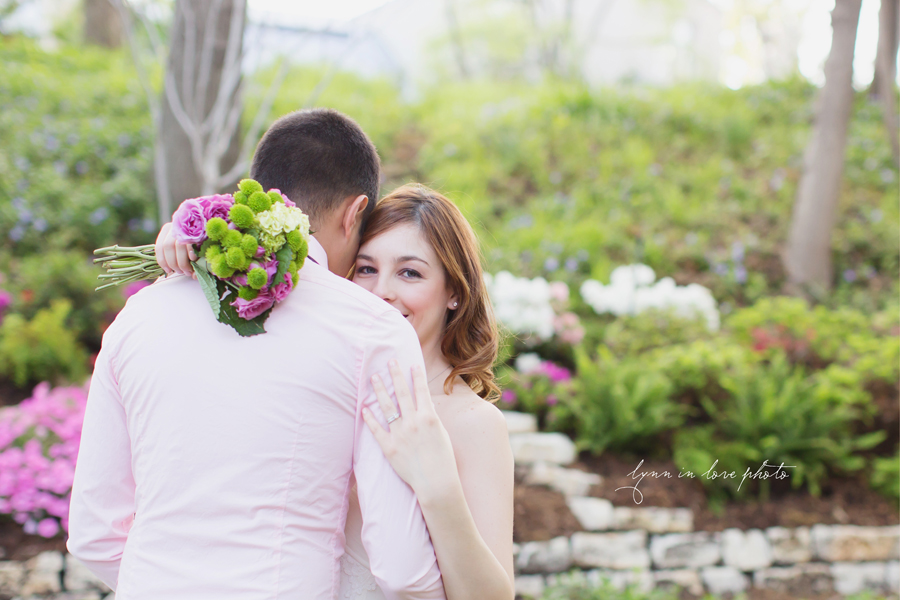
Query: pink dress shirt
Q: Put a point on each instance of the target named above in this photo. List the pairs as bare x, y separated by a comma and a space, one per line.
218, 467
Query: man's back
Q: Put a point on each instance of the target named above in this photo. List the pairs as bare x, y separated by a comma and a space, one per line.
236, 453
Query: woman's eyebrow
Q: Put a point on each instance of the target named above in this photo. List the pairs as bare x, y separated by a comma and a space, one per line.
399, 259
411, 257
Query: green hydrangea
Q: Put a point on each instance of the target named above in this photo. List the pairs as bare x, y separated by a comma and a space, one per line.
242, 216
213, 251
216, 228
248, 293
295, 277
275, 197
220, 268
240, 198
257, 278
237, 259
232, 239
272, 243
259, 202
249, 186
295, 239
249, 245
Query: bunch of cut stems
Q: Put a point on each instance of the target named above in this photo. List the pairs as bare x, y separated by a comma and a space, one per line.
127, 264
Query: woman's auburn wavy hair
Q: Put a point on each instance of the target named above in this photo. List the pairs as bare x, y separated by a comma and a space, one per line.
471, 339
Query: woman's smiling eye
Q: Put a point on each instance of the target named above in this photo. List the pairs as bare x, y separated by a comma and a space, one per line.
365, 270
410, 273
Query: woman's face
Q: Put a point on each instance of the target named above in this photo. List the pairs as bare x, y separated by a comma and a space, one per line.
401, 267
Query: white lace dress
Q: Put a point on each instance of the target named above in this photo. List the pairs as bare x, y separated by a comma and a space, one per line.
357, 582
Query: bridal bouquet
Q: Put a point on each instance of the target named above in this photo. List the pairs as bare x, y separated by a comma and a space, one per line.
250, 247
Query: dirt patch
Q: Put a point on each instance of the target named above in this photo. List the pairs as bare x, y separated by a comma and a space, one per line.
541, 514
16, 545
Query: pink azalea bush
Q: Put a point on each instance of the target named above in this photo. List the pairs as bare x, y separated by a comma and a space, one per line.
38, 446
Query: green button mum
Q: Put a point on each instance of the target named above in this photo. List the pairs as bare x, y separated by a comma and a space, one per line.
249, 186
232, 239
241, 216
249, 245
216, 228
259, 202
257, 278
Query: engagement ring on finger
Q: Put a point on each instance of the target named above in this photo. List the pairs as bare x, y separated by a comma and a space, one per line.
393, 418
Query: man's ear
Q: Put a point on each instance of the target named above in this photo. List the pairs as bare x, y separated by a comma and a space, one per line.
353, 212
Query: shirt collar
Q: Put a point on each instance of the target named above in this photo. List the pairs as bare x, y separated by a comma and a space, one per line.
317, 252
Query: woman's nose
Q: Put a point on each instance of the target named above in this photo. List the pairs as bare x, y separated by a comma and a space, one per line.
383, 289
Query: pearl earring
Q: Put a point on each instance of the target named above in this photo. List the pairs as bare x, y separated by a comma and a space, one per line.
455, 304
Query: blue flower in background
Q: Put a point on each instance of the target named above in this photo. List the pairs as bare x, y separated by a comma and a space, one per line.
571, 265
149, 225
16, 233
740, 274
551, 264
849, 275
99, 215
40, 225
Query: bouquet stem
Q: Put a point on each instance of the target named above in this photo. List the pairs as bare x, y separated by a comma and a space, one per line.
127, 264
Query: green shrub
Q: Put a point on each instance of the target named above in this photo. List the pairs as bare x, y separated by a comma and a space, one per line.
774, 412
575, 586
885, 475
75, 150
697, 367
41, 349
868, 344
619, 404
634, 334
39, 279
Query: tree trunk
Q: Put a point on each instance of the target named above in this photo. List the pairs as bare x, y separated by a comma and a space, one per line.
888, 40
886, 71
808, 254
102, 26
197, 63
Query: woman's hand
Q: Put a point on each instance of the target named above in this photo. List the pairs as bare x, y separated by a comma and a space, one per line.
416, 443
173, 256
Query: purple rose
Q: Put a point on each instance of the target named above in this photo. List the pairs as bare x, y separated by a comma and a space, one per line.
188, 222
250, 309
281, 290
216, 206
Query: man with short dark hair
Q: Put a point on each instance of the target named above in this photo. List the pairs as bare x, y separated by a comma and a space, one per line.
214, 466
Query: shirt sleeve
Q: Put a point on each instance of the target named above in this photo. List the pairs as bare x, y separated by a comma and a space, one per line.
394, 534
102, 506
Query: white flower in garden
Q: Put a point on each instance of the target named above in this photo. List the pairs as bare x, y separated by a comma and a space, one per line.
631, 291
522, 304
529, 362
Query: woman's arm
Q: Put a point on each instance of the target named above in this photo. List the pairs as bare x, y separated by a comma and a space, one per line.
466, 499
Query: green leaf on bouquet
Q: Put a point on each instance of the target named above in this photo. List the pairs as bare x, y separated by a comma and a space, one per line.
284, 256
208, 285
229, 316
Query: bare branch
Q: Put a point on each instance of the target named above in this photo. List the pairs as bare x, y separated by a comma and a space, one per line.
250, 139
207, 54
231, 72
143, 78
